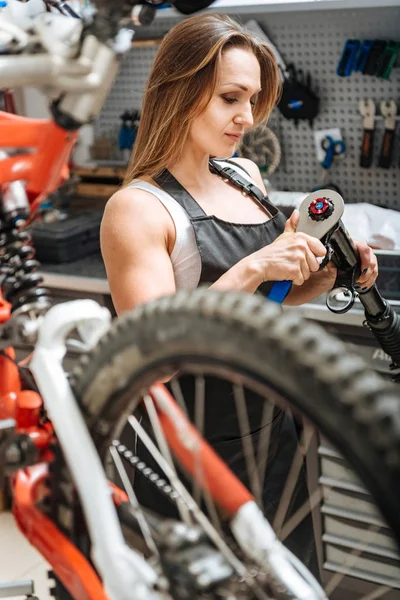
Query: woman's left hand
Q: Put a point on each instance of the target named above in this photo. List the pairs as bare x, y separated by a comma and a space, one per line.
369, 267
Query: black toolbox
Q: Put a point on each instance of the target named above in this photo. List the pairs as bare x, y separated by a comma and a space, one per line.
69, 239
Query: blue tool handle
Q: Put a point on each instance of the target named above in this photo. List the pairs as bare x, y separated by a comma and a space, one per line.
279, 291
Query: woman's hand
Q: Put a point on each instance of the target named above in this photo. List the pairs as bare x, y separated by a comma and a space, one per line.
369, 267
292, 256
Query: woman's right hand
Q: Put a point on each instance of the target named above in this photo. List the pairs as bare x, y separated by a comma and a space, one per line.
291, 257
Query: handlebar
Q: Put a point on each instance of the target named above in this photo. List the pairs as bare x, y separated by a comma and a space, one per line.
380, 315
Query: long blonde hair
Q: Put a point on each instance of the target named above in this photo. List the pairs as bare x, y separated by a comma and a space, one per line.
182, 82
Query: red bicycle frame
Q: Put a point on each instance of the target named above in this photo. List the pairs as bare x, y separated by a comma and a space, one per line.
43, 170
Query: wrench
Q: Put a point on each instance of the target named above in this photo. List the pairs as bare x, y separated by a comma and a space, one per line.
367, 110
319, 212
389, 112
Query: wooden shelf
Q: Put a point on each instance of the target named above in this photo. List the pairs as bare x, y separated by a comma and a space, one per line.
98, 181
99, 171
96, 190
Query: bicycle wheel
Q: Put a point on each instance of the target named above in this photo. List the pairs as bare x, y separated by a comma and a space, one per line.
246, 353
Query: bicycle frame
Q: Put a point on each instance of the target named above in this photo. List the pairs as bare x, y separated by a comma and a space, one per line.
121, 568
117, 569
43, 170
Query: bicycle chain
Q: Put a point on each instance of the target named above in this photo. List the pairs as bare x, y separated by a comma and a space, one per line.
160, 483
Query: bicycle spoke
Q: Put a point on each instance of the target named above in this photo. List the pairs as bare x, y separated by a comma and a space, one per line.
158, 431
248, 447
292, 479
177, 394
199, 408
300, 514
263, 444
133, 501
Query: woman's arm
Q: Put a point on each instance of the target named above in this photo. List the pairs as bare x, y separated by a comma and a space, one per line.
136, 236
318, 284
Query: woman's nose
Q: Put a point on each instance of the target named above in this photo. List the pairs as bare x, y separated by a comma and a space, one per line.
245, 117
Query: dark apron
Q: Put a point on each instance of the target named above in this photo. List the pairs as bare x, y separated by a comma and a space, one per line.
221, 245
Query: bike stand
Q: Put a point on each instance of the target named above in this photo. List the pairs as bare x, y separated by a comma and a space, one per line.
18, 588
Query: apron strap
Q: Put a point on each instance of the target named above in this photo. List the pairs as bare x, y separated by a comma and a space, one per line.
231, 175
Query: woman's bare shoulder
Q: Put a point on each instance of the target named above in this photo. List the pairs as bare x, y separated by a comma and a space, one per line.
142, 205
131, 211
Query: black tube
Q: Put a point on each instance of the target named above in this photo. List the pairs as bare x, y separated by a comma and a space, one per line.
386, 329
345, 253
373, 303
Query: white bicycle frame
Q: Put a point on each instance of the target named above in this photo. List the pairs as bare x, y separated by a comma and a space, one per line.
122, 570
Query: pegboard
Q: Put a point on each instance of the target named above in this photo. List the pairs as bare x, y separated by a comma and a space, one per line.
127, 90
313, 40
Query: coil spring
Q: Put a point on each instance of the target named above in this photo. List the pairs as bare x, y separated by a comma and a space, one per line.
21, 285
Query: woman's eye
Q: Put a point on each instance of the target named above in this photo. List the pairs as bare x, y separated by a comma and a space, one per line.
230, 100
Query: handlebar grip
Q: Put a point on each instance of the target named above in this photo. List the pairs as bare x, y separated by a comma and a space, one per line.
279, 291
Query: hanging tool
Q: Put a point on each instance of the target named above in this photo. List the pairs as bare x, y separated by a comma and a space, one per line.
127, 132
262, 146
365, 49
389, 112
298, 100
329, 146
348, 60
367, 110
375, 57
388, 60
332, 148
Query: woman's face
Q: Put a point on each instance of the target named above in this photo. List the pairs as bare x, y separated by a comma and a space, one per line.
217, 131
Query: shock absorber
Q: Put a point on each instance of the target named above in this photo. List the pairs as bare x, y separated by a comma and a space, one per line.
21, 285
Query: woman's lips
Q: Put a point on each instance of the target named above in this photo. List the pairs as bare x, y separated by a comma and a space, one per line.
234, 136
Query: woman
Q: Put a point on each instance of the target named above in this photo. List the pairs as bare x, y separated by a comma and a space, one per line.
176, 223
